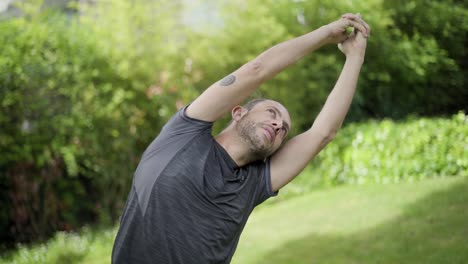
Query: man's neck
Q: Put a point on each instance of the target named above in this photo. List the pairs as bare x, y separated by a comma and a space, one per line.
234, 146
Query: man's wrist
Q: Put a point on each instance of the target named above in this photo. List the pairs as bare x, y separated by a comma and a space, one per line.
326, 32
355, 58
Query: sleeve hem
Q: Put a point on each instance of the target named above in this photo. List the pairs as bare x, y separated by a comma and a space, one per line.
269, 187
184, 116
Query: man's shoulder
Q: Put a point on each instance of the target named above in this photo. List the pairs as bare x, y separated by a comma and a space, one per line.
180, 123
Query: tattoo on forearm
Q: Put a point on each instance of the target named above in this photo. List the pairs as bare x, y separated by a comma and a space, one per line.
228, 80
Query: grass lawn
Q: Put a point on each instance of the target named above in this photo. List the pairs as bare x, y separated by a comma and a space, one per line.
423, 222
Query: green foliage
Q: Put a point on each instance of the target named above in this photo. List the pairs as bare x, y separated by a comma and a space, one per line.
79, 104
390, 152
47, 79
87, 246
83, 94
415, 62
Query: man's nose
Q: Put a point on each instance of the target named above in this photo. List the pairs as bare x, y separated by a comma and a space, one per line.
277, 125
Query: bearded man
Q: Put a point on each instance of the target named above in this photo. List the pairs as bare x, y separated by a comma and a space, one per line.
192, 193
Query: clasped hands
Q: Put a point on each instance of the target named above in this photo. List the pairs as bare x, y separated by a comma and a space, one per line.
352, 44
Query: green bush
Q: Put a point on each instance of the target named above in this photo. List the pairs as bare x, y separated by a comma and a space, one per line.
58, 89
90, 245
388, 152
81, 96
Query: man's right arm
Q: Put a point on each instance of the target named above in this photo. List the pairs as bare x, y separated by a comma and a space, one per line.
222, 96
293, 156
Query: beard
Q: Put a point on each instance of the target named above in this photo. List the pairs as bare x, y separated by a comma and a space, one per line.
247, 130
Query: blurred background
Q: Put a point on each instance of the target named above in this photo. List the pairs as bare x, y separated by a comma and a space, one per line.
86, 85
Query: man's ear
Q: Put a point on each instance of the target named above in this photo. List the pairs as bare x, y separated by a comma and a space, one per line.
238, 112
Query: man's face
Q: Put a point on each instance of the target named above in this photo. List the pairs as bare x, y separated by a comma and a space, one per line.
264, 128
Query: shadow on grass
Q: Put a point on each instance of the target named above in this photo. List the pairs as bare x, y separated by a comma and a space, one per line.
431, 230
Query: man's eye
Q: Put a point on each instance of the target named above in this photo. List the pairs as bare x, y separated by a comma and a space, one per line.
272, 111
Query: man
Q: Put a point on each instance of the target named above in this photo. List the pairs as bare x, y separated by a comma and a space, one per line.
192, 193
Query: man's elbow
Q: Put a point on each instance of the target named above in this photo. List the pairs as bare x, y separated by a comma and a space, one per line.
329, 136
326, 136
258, 70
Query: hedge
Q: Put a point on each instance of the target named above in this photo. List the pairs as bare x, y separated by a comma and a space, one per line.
387, 151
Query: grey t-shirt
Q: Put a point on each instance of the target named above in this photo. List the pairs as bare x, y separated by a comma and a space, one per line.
189, 201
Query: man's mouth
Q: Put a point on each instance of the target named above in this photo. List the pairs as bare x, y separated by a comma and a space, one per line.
270, 133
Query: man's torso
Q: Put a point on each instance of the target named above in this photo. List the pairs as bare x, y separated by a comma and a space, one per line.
189, 201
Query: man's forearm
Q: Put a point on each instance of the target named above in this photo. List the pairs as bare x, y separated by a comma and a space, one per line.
337, 105
280, 56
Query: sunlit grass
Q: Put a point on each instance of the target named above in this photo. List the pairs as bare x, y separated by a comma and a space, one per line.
423, 222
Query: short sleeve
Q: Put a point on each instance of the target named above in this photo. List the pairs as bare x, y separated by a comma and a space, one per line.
180, 123
178, 130
265, 189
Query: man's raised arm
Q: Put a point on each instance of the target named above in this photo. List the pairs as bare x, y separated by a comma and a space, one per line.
292, 157
222, 96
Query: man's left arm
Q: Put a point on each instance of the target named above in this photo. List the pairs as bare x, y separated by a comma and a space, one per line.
293, 156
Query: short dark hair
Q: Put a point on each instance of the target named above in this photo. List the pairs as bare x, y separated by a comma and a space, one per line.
250, 104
